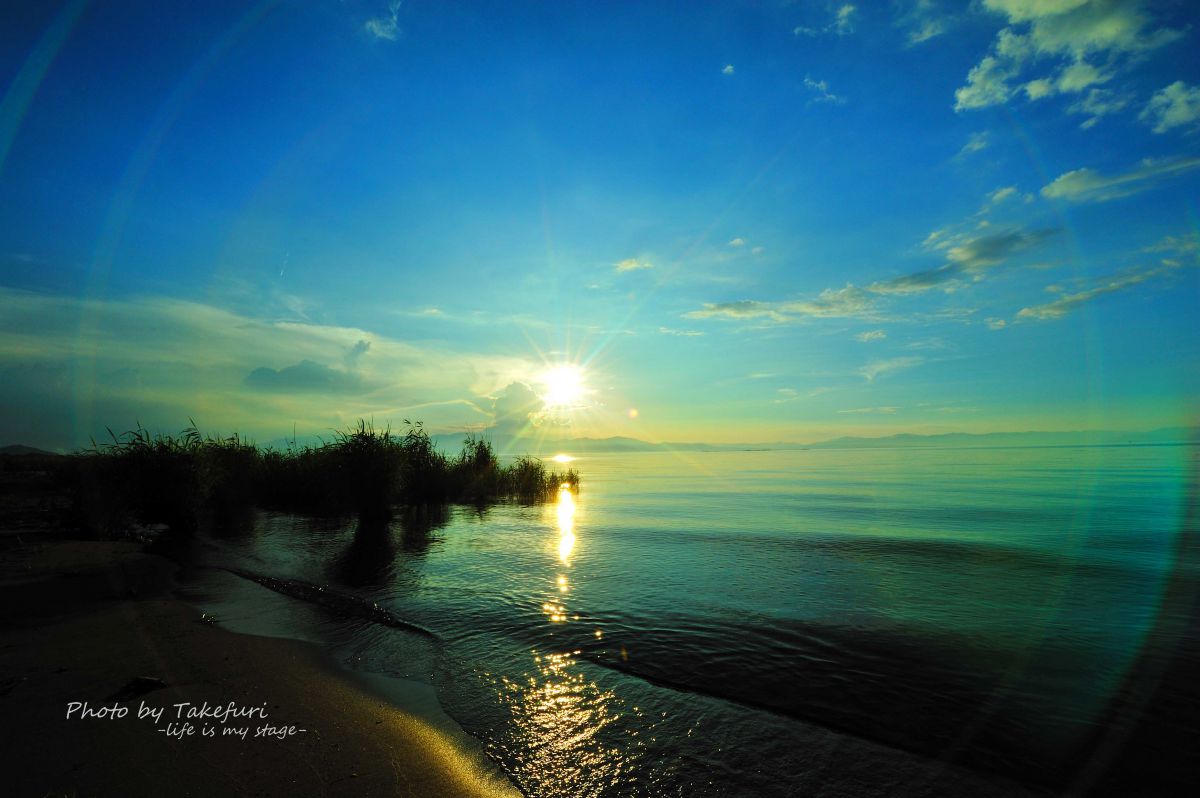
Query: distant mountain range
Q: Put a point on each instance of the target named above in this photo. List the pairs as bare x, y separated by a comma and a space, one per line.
1081, 438
509, 445
19, 449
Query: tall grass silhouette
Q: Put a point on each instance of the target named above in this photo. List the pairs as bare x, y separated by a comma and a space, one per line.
188, 481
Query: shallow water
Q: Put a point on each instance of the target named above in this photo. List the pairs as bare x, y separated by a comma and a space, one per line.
763, 623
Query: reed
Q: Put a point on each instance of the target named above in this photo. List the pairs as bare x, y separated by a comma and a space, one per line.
191, 481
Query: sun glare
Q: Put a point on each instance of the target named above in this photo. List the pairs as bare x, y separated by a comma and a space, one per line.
563, 386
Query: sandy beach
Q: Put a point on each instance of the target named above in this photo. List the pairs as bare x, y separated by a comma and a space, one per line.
95, 622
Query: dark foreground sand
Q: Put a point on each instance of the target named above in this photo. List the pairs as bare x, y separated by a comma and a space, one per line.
80, 620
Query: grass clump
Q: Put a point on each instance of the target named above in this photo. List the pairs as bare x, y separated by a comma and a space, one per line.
180, 481
190, 481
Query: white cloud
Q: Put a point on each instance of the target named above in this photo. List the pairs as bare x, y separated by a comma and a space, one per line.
924, 20
1071, 79
159, 360
1024, 10
1109, 285
727, 69
756, 250
871, 335
741, 309
516, 408
1088, 185
1174, 106
975, 143
821, 89
786, 395
1098, 103
1037, 89
737, 242
987, 84
1083, 43
841, 24
682, 333
996, 324
872, 410
1188, 244
880, 368
386, 27
977, 254
632, 264
843, 21
1001, 194
968, 255
847, 302
918, 282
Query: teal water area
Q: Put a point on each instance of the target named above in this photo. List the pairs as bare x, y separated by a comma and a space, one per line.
924, 621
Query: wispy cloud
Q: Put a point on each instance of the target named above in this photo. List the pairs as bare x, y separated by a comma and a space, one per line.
888, 410
976, 142
1088, 185
923, 20
1001, 194
871, 335
727, 69
386, 26
785, 395
740, 310
682, 333
1187, 244
982, 252
821, 89
632, 264
1084, 43
967, 255
846, 302
841, 23
880, 368
1109, 285
1177, 105
1099, 103
737, 242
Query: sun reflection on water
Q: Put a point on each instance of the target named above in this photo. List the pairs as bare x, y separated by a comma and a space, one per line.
569, 729
566, 523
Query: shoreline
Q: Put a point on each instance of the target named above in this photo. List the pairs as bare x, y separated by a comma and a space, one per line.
98, 622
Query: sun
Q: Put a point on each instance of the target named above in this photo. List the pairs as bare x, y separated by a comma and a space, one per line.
563, 386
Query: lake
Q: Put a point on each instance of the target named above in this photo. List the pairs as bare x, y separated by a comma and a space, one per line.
848, 622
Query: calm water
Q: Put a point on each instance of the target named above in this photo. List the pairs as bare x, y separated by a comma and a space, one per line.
766, 623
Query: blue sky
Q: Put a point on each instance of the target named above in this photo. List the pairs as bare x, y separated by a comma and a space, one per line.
735, 222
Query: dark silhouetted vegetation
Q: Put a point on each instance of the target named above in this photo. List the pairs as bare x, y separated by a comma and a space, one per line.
191, 481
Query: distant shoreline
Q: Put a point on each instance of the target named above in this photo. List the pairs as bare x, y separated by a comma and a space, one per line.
510, 447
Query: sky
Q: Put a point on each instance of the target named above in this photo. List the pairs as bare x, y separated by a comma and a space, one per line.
726, 222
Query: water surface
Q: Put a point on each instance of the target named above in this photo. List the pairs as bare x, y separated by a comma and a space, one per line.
768, 622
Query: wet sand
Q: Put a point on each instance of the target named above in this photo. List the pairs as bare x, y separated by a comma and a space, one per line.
82, 621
